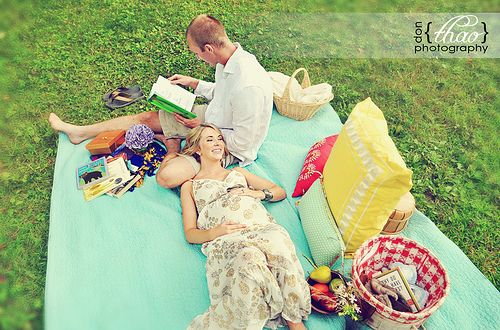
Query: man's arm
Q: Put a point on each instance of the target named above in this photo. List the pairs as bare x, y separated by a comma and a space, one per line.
201, 88
246, 104
205, 89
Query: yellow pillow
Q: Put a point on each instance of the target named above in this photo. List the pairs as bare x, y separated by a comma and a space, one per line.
364, 176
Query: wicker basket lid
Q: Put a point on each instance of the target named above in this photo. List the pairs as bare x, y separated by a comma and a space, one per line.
405, 207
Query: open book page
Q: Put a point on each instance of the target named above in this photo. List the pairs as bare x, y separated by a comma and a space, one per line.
395, 279
173, 93
122, 189
119, 174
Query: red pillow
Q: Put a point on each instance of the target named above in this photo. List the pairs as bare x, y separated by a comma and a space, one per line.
313, 165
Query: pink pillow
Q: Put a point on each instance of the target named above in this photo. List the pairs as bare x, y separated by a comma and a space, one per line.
313, 165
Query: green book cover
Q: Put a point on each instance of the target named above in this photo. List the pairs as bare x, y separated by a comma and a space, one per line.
170, 107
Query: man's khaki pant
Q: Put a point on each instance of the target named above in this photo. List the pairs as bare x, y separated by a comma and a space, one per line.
172, 128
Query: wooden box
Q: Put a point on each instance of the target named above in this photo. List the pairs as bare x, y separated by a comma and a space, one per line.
106, 142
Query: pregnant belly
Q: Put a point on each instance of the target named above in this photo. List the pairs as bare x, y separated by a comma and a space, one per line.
238, 209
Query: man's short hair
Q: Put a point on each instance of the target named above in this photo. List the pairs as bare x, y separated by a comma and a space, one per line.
205, 29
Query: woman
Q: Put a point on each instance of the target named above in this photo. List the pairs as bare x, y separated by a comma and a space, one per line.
254, 276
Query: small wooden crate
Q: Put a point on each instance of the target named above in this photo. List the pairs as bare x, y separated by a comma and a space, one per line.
106, 142
398, 220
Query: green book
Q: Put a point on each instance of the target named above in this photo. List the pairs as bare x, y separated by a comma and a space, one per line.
170, 107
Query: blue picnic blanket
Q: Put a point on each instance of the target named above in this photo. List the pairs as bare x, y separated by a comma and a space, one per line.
125, 264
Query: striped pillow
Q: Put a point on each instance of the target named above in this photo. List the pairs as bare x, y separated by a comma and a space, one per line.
365, 176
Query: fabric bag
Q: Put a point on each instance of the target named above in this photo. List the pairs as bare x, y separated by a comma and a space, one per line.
320, 228
299, 102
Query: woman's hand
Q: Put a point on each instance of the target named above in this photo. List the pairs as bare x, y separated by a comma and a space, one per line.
178, 79
243, 191
189, 123
259, 183
227, 227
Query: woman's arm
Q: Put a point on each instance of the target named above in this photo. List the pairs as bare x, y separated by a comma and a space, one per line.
258, 183
189, 216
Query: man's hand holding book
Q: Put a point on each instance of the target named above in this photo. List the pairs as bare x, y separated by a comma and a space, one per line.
190, 123
178, 79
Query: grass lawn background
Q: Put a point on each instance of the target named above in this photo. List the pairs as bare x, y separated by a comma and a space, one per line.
62, 56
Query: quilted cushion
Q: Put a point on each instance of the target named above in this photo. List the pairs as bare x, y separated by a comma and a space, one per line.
320, 229
365, 176
314, 164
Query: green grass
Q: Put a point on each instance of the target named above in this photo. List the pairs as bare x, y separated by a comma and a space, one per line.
62, 56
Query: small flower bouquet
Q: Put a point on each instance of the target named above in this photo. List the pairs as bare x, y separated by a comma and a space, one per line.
138, 137
348, 302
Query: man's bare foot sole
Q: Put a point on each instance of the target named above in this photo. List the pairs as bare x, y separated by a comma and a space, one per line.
72, 131
161, 138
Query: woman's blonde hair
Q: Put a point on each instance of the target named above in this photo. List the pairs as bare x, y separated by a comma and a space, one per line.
193, 140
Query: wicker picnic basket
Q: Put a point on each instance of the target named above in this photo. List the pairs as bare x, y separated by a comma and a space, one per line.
380, 252
399, 218
298, 110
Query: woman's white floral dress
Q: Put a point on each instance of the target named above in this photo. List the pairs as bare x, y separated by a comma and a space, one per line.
254, 276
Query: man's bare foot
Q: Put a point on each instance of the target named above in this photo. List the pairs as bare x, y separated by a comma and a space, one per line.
75, 134
161, 138
172, 149
173, 145
296, 326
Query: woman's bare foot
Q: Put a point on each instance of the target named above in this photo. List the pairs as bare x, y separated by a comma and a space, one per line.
296, 326
75, 133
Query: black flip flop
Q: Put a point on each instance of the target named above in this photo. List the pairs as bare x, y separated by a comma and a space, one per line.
131, 90
121, 100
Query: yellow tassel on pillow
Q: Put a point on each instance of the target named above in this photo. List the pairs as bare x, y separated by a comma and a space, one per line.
365, 176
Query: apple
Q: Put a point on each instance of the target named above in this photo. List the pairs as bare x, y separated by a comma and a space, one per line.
322, 287
336, 285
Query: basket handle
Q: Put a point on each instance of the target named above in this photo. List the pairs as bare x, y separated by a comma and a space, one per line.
306, 82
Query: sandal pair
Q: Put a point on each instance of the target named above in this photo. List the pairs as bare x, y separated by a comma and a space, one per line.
123, 96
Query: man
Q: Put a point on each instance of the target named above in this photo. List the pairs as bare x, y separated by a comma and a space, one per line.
240, 104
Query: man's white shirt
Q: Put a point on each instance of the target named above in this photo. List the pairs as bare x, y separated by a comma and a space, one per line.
241, 103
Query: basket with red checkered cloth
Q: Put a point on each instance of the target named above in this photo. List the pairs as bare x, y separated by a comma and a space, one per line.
380, 252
